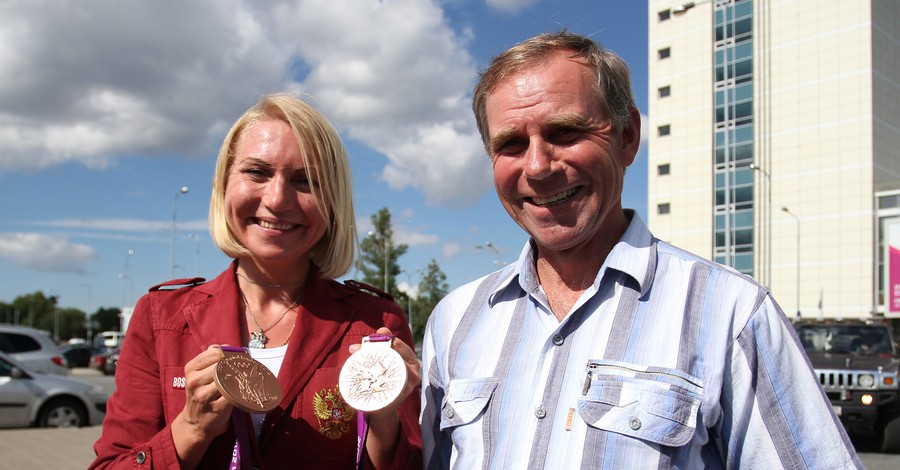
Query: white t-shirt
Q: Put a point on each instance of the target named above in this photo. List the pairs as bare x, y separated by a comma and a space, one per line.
272, 359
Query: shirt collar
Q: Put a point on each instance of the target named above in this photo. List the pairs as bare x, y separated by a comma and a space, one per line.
634, 255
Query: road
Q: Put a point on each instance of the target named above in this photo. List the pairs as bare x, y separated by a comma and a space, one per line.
64, 449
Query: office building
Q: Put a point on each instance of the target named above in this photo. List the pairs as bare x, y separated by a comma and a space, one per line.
774, 143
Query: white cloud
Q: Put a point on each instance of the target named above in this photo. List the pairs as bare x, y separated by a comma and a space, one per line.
126, 225
45, 253
451, 249
93, 82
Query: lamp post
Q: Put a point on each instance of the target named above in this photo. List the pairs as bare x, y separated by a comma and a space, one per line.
183, 190
51, 295
488, 246
196, 240
87, 316
755, 167
385, 250
125, 281
788, 212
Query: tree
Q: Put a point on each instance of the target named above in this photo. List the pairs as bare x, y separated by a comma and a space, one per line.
432, 288
106, 319
378, 254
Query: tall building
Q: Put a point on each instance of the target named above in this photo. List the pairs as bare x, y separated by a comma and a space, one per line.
774, 143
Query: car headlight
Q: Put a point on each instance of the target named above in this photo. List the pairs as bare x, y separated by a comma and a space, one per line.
866, 380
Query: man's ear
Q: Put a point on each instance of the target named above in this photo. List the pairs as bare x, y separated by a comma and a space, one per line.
631, 137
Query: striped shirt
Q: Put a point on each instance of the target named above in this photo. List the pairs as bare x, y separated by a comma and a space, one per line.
666, 361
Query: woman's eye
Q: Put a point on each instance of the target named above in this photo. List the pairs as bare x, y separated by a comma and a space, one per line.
254, 172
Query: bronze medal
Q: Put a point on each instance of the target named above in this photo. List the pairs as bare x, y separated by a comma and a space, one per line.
247, 384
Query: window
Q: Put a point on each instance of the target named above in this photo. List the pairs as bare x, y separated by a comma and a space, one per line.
663, 131
663, 169
664, 15
16, 343
663, 209
663, 91
664, 53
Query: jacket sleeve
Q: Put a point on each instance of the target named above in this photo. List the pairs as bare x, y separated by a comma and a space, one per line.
774, 410
135, 434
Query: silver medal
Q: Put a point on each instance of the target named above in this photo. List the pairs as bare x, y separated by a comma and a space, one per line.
373, 376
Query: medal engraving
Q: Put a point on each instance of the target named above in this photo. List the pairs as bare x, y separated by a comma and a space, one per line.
372, 377
247, 384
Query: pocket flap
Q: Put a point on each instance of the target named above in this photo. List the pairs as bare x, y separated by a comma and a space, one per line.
644, 411
466, 400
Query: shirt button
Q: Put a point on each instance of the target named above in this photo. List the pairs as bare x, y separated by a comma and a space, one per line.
539, 412
140, 457
634, 423
449, 412
558, 340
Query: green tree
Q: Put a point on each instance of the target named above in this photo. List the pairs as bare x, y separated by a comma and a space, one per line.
432, 288
106, 319
379, 254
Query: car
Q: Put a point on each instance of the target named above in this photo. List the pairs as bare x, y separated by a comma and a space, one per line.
32, 347
32, 399
105, 360
77, 355
857, 365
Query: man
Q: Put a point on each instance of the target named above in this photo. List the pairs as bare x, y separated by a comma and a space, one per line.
603, 347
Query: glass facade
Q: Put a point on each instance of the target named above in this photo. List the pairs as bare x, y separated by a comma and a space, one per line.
733, 84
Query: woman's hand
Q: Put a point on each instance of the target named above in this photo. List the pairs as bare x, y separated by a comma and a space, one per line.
384, 424
206, 412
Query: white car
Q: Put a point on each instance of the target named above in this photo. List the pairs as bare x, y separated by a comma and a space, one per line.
32, 347
30, 398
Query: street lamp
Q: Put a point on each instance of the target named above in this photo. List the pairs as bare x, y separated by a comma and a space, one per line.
196, 239
87, 316
684, 7
52, 297
488, 246
385, 250
788, 212
125, 281
183, 190
755, 167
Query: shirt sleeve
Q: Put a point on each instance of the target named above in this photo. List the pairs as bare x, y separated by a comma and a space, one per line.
135, 434
774, 411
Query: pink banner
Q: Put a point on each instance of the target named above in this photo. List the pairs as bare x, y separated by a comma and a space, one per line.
894, 280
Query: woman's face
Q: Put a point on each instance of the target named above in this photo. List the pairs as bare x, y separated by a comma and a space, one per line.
269, 201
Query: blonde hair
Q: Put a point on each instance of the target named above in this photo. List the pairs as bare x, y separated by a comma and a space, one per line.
612, 86
322, 149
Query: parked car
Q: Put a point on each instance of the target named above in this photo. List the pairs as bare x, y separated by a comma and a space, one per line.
77, 355
29, 398
105, 360
32, 347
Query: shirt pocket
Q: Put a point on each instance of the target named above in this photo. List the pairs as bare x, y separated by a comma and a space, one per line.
653, 404
466, 400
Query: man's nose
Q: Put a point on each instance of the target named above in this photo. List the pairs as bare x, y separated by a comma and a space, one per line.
539, 159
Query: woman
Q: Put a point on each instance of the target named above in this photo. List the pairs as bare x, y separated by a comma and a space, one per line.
282, 208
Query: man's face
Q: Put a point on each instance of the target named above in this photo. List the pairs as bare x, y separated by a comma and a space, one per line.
558, 165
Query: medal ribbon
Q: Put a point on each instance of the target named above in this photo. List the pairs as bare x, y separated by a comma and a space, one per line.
362, 420
240, 456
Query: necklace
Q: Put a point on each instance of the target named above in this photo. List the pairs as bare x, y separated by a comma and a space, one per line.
258, 339
266, 284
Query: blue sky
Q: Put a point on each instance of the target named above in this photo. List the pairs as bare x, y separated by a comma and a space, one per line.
108, 108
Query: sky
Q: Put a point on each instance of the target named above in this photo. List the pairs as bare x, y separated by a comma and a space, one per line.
108, 108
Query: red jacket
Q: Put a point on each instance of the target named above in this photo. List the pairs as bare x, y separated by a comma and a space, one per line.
171, 326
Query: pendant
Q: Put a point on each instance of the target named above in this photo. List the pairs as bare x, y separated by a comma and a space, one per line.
373, 376
258, 340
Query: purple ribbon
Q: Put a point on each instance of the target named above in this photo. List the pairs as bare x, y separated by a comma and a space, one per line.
240, 456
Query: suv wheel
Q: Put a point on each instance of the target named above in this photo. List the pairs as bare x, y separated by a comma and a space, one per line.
62, 413
891, 443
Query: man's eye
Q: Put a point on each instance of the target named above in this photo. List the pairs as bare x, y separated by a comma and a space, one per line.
565, 135
511, 147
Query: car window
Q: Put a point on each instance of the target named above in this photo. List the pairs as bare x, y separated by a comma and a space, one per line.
16, 343
5, 368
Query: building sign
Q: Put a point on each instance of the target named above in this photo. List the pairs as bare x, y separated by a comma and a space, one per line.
892, 266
